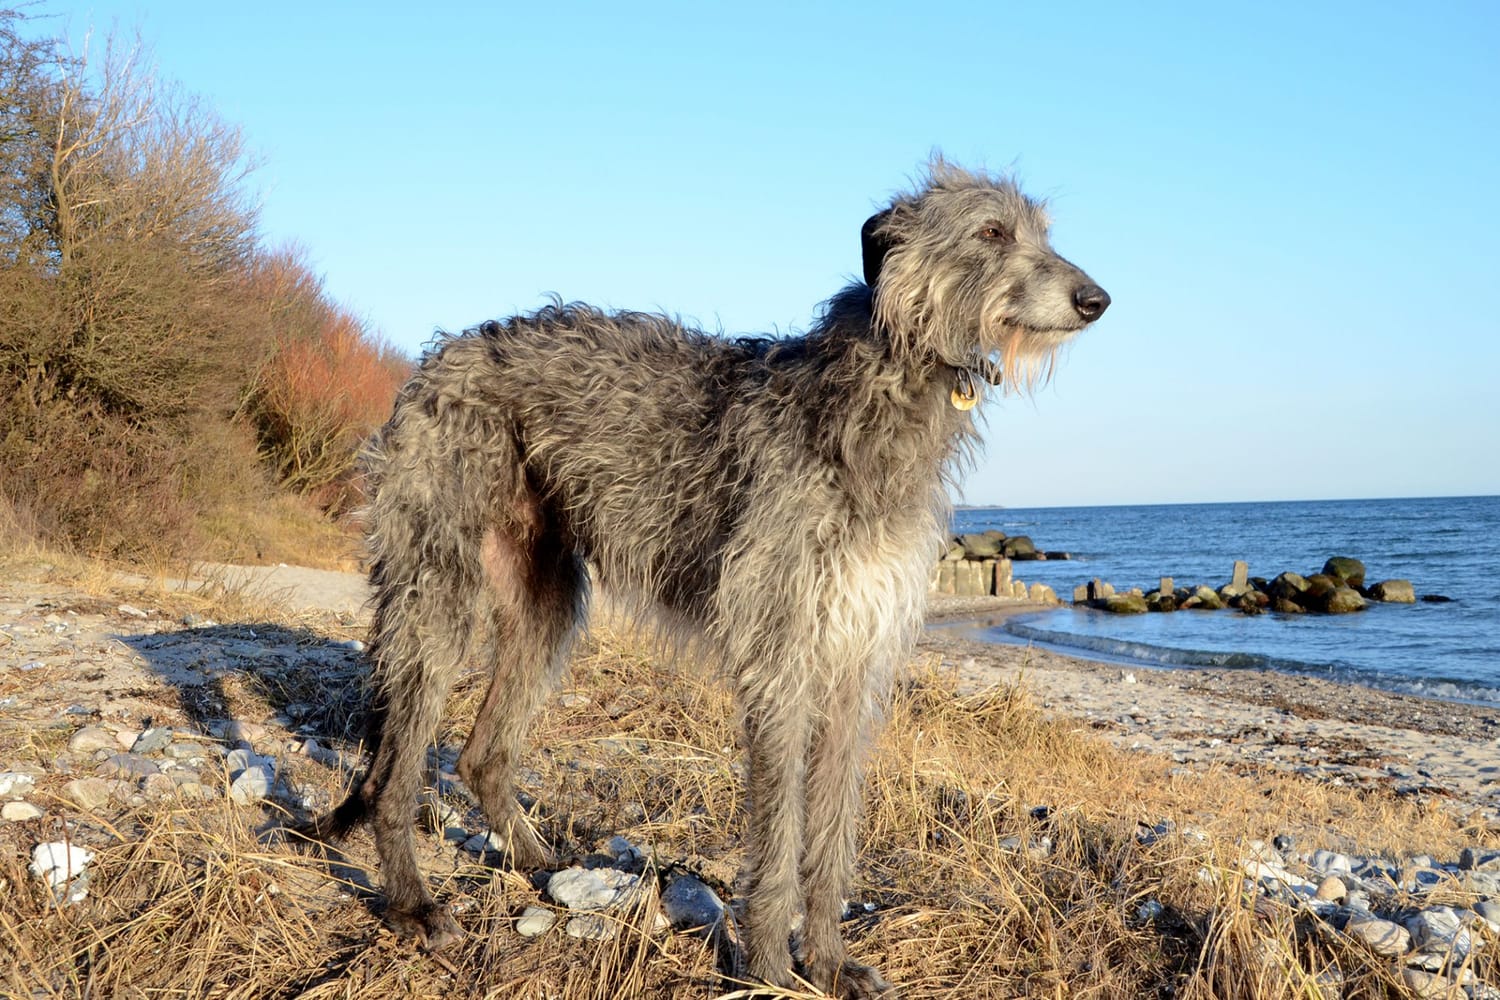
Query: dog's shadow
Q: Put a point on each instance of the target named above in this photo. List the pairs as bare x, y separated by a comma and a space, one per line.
230, 677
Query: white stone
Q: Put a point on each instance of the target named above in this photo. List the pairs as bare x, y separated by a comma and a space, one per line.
535, 920
482, 842
253, 784
58, 861
591, 927
1332, 863
591, 889
17, 812
15, 783
1440, 928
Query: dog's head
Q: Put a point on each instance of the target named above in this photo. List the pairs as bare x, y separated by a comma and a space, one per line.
962, 270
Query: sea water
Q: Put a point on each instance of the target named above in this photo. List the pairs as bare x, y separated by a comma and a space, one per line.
1447, 546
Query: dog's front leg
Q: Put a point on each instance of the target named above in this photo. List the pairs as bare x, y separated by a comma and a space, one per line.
776, 731
835, 790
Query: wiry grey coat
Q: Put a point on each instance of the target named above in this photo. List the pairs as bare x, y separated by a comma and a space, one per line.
780, 499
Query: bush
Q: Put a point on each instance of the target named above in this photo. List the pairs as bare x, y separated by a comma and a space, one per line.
148, 343
327, 387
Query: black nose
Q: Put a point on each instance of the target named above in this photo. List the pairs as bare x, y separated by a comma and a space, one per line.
1090, 301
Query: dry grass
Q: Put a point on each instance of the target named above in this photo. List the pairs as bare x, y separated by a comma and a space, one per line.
187, 901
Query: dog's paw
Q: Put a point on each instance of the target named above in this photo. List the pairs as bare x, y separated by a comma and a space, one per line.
860, 982
432, 925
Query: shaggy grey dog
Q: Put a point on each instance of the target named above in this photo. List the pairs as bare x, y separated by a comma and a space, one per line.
780, 500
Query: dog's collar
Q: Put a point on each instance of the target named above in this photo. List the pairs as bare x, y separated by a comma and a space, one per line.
965, 392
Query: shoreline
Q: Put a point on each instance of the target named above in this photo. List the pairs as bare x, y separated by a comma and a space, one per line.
1337, 731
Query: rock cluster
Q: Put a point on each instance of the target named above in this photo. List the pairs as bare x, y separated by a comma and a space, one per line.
1404, 912
979, 565
1339, 588
598, 899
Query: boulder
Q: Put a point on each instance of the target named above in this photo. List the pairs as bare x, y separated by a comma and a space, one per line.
1157, 601
1342, 600
1059, 555
1286, 606
1207, 598
1319, 586
1019, 548
954, 552
980, 546
1288, 587
1394, 592
1346, 569
1124, 604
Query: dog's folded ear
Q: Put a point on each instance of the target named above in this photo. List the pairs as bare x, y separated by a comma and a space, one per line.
875, 244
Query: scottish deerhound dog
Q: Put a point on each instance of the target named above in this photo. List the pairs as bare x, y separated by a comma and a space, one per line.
781, 498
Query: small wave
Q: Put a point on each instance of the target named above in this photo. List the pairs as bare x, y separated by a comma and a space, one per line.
1147, 654
1143, 652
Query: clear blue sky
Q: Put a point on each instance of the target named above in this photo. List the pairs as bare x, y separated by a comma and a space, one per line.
1294, 205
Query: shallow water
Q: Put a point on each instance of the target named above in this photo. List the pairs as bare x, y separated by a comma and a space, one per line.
1446, 545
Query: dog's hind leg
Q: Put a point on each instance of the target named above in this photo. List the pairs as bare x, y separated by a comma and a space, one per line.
421, 638
540, 589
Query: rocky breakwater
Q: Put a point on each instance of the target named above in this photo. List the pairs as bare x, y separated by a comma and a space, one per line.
980, 565
1339, 588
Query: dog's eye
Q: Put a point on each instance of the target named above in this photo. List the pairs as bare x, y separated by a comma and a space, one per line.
995, 233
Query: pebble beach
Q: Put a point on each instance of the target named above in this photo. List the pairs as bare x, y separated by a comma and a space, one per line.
94, 666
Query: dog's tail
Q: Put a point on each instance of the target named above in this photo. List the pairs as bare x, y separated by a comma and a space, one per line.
435, 473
